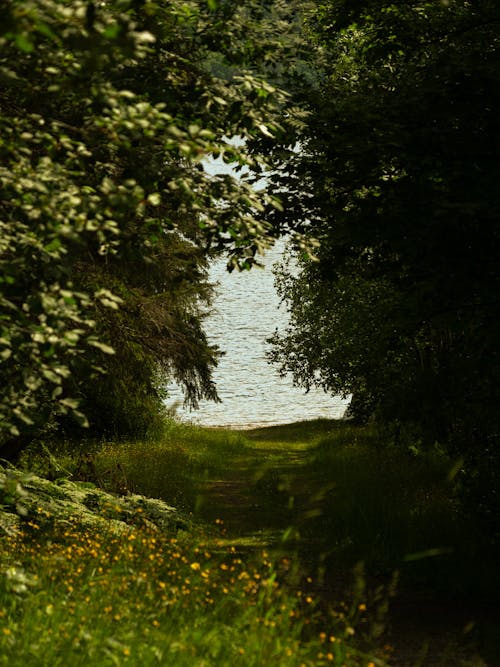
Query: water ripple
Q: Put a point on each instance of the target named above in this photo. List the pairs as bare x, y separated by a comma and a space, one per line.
246, 312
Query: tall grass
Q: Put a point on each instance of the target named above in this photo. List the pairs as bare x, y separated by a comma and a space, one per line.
334, 485
169, 465
72, 596
386, 503
324, 494
395, 509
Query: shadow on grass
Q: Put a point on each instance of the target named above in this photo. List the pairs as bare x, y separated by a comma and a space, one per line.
329, 495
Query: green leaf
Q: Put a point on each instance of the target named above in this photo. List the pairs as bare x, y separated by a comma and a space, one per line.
154, 198
24, 43
81, 419
264, 130
51, 376
112, 31
71, 403
46, 30
107, 349
55, 244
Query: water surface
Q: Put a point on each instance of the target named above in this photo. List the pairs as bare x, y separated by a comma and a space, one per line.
246, 311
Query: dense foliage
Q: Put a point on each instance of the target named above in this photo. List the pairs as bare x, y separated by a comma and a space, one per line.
108, 216
397, 177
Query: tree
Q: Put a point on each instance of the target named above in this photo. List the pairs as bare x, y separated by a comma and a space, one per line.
396, 178
107, 216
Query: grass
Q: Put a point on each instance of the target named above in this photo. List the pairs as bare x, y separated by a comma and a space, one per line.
281, 516
169, 466
70, 594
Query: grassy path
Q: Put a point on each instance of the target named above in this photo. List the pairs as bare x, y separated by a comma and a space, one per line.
276, 495
318, 497
257, 496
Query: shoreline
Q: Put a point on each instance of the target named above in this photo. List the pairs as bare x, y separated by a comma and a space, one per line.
251, 426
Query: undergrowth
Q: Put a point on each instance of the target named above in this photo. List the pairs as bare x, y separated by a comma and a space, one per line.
71, 595
330, 494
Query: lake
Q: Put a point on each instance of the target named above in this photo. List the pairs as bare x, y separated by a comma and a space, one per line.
246, 311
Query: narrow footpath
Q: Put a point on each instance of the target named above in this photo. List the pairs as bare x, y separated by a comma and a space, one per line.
276, 499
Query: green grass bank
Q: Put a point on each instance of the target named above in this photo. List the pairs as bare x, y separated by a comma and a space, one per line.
307, 544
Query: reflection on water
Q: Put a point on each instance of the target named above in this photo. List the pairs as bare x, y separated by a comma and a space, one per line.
246, 312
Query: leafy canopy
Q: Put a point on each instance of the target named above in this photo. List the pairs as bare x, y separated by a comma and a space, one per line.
107, 214
397, 177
